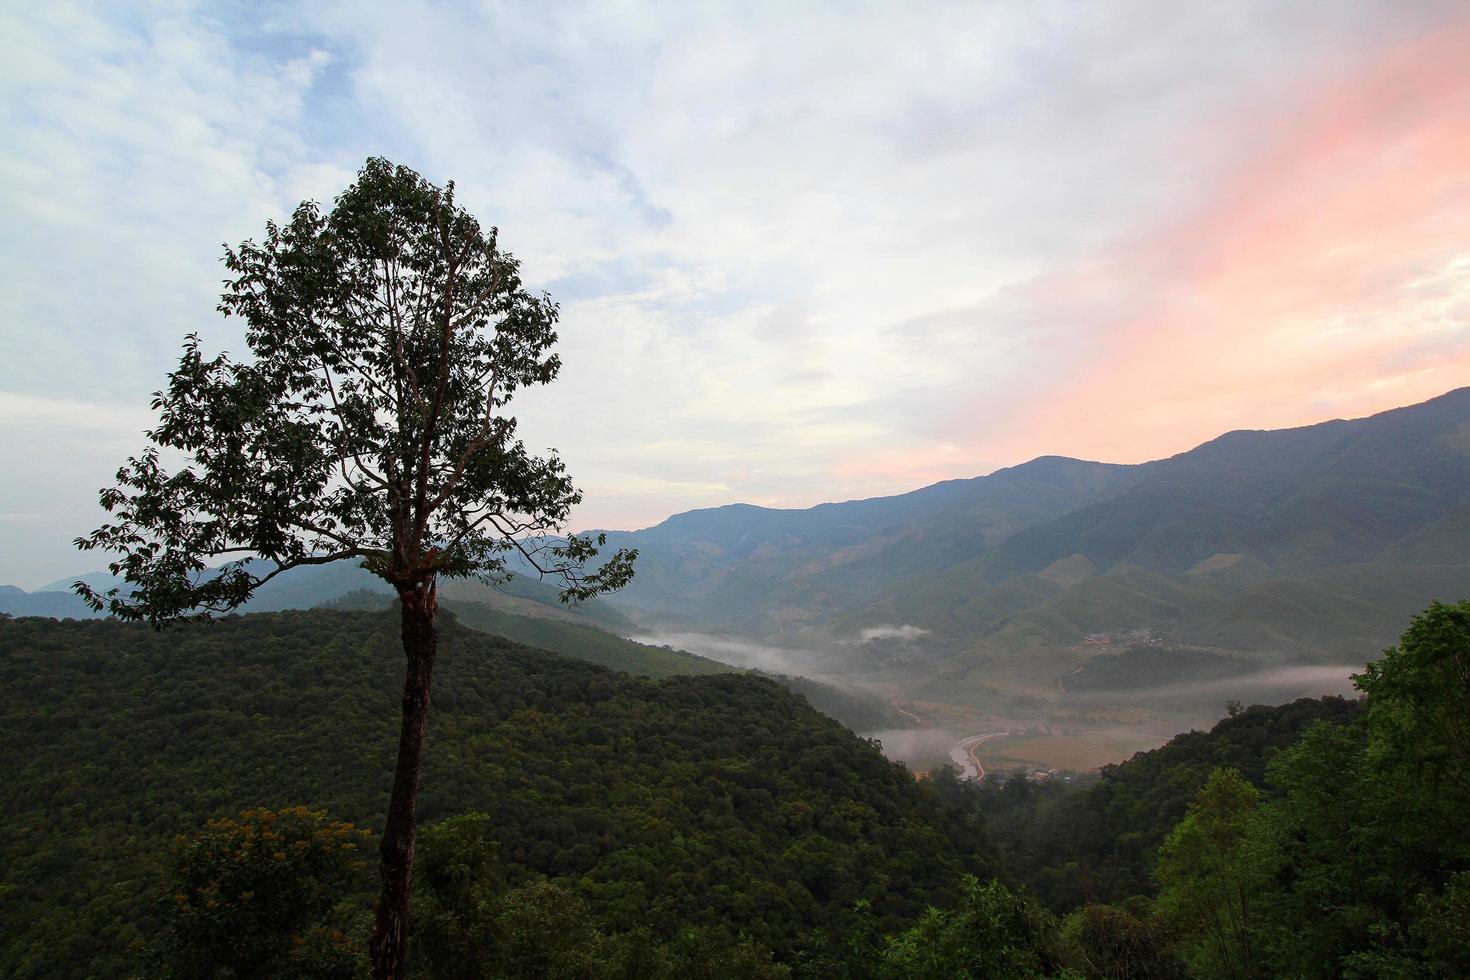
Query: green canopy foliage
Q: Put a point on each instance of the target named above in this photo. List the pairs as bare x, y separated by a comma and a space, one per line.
263, 896
1205, 876
1364, 851
689, 803
387, 338
991, 934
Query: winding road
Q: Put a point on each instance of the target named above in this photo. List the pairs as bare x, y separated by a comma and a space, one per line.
965, 758
905, 711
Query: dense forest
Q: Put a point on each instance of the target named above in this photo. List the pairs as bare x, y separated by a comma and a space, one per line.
703, 801
1099, 845
1323, 838
857, 709
195, 803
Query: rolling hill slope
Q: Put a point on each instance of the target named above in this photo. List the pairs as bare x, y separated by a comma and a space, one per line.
686, 801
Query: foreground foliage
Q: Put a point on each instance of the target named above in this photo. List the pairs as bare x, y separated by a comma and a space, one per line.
1340, 851
1206, 877
264, 896
1100, 845
1363, 856
695, 802
704, 827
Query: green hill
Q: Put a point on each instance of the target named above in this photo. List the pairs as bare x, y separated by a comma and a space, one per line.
585, 642
579, 640
690, 800
857, 709
1099, 844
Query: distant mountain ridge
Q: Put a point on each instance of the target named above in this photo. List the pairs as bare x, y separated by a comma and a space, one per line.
724, 566
1310, 544
317, 585
1291, 542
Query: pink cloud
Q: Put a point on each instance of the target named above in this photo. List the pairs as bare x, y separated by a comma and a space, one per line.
1328, 275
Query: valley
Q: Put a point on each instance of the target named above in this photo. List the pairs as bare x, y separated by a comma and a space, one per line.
1052, 686
719, 491
1090, 610
1098, 608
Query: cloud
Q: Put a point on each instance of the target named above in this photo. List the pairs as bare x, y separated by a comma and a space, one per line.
740, 652
70, 448
803, 253
820, 235
134, 148
1328, 274
905, 632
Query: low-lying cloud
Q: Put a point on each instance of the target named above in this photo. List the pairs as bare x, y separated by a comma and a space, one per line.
883, 632
741, 652
1271, 686
919, 748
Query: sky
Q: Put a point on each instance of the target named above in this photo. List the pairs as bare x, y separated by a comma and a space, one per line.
803, 252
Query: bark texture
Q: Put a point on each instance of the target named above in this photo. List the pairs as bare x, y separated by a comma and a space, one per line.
420, 645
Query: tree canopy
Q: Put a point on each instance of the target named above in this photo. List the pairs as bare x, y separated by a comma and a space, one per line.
387, 338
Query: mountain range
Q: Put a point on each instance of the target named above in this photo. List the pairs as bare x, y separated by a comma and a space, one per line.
1304, 547
1057, 582
1247, 507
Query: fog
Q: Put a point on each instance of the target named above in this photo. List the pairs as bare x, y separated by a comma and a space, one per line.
1185, 705
884, 632
1271, 686
918, 747
740, 652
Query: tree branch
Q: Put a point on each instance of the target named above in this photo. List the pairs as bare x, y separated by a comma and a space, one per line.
475, 445
341, 419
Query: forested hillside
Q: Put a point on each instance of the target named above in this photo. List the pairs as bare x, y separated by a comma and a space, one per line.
689, 801
579, 640
855, 708
591, 824
1071, 847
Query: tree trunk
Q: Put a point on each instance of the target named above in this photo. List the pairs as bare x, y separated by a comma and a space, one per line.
420, 643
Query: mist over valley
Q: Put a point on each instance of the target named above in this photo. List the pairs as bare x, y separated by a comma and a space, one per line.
1099, 608
722, 491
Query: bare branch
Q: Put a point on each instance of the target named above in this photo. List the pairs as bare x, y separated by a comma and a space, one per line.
475, 445
337, 408
484, 294
314, 560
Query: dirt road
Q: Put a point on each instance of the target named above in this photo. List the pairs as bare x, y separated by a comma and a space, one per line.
905, 711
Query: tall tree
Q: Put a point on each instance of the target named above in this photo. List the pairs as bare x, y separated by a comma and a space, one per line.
387, 338
1364, 853
1204, 874
1419, 694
